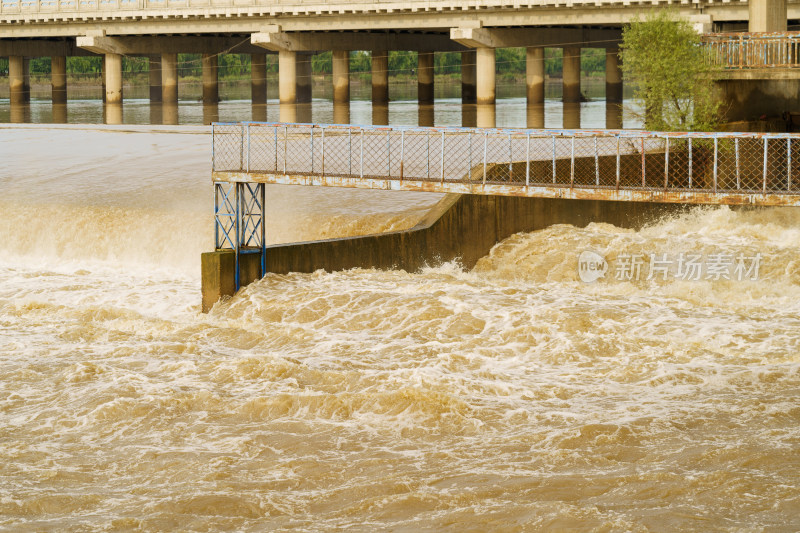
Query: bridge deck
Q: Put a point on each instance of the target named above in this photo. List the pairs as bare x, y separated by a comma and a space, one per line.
691, 168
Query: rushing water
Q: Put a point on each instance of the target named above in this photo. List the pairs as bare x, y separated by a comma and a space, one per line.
513, 397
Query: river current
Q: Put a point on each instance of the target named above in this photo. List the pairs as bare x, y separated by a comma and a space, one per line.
509, 397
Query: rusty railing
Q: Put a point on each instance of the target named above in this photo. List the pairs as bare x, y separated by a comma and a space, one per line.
744, 168
754, 50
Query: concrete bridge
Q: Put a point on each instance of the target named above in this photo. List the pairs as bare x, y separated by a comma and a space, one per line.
498, 182
160, 29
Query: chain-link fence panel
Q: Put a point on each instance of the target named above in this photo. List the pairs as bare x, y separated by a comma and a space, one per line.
228, 148
263, 146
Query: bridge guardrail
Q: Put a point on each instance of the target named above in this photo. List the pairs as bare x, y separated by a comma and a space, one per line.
754, 50
714, 163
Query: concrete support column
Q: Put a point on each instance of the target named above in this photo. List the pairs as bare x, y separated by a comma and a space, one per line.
287, 77
258, 78
425, 77
468, 77
209, 64
767, 15
534, 75
380, 77
113, 78
19, 79
341, 76
154, 66
613, 77
58, 79
169, 78
304, 80
572, 74
485, 88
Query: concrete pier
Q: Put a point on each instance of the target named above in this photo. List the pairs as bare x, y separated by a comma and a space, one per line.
304, 80
341, 77
425, 78
485, 70
380, 78
534, 75
287, 77
113, 76
571, 75
613, 77
58, 79
154, 68
258, 78
169, 79
19, 80
767, 15
210, 68
468, 77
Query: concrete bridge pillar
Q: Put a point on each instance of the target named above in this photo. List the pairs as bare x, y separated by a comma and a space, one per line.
534, 74
258, 78
58, 79
210, 64
19, 79
154, 66
113, 78
341, 76
767, 15
169, 78
613, 77
468, 77
287, 77
571, 74
425, 78
380, 77
485, 70
304, 80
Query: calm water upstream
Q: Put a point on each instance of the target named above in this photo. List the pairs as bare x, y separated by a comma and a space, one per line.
512, 397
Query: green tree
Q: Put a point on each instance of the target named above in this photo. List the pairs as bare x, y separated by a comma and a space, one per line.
663, 59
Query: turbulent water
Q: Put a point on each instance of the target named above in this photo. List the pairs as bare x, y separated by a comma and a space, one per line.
512, 397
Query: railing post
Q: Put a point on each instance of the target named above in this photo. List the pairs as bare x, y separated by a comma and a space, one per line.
427, 154
241, 148
248, 147
236, 242
402, 152
263, 188
311, 171
285, 142
389, 153
788, 164
644, 166
510, 160
323, 151
213, 149
666, 164
469, 156
572, 163
485, 150
716, 159
442, 158
554, 158
596, 164
765, 165
528, 161
276, 148
736, 150
349, 152
362, 152
618, 161
690, 162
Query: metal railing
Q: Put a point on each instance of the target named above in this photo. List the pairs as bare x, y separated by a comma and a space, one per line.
507, 161
754, 50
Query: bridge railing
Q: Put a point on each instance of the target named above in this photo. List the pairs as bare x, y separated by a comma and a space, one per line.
754, 50
717, 163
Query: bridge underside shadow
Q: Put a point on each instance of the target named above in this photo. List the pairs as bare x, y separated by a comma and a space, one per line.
461, 227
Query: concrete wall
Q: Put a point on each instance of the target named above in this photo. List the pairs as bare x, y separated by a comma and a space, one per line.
751, 99
459, 226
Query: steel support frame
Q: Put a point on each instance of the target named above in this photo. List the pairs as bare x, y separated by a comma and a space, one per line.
239, 222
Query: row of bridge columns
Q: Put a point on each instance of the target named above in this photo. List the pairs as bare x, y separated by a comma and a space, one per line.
294, 85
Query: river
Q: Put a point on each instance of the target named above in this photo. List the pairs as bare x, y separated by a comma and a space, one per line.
510, 397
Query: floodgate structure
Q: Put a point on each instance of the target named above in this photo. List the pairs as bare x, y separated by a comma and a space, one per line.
497, 182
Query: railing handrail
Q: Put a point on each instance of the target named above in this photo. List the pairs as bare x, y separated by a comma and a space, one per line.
539, 132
